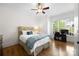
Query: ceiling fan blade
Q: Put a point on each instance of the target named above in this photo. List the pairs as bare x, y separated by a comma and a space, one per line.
43, 12
39, 4
33, 9
45, 8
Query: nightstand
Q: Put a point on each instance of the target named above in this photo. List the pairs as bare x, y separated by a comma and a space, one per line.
1, 50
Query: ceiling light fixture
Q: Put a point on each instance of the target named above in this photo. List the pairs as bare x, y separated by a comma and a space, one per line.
40, 8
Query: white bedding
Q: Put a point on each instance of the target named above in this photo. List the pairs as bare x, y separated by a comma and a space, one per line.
23, 38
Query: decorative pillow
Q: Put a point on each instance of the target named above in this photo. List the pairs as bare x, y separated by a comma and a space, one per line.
27, 32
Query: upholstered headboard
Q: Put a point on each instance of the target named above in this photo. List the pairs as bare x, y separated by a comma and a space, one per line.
20, 28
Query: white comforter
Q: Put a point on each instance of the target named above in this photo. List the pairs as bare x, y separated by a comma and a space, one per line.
23, 38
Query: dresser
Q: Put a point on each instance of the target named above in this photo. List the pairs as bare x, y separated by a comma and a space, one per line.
70, 38
1, 51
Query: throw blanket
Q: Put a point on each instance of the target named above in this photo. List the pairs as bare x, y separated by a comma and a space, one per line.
31, 41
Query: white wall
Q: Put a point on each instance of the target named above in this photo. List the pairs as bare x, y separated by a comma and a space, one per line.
42, 22
12, 16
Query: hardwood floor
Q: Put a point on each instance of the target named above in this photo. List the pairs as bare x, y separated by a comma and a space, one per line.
15, 50
57, 49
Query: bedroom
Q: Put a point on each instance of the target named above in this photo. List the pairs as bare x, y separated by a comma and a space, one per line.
14, 15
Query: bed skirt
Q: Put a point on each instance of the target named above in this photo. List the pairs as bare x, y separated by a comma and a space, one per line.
37, 50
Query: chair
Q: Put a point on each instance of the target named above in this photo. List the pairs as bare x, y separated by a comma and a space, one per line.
57, 36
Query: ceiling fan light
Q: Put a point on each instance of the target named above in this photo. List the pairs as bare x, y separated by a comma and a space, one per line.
39, 10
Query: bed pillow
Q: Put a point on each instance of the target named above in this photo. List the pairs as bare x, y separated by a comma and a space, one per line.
24, 32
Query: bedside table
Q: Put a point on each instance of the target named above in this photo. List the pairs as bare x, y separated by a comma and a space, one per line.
1, 50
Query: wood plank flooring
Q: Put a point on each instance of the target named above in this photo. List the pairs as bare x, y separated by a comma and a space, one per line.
57, 49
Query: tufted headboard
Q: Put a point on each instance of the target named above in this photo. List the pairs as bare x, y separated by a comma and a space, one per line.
20, 28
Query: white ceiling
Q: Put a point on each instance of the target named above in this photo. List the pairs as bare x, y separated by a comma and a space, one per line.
60, 8
55, 9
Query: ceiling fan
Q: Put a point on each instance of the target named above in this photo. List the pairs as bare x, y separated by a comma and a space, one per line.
40, 8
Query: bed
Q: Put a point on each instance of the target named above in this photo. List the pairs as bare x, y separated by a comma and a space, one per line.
30, 43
